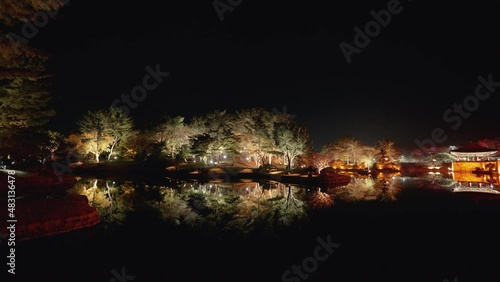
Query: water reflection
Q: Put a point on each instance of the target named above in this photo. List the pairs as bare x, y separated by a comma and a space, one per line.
383, 187
476, 182
242, 207
318, 199
113, 201
231, 206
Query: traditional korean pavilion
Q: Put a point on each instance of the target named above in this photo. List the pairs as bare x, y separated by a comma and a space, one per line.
474, 152
476, 169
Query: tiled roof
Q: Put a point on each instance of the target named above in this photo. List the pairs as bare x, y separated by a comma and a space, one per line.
473, 148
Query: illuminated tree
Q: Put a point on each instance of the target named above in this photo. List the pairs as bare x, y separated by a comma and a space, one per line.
174, 135
24, 83
76, 145
366, 156
118, 126
348, 148
24, 100
351, 151
136, 147
200, 145
386, 151
52, 142
14, 12
331, 151
318, 160
254, 128
215, 135
23, 104
103, 131
94, 134
293, 141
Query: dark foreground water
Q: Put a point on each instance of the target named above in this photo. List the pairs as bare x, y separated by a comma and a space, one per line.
382, 229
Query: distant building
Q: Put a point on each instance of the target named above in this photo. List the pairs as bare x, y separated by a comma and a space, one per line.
474, 152
475, 169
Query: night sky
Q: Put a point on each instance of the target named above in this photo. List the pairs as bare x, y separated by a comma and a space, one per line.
427, 58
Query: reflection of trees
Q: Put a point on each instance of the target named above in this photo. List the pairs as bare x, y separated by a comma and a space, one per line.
243, 208
113, 202
174, 208
359, 189
290, 209
386, 188
203, 206
320, 199
368, 189
441, 180
492, 179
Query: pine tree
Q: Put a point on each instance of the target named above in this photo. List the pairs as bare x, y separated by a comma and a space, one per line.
24, 82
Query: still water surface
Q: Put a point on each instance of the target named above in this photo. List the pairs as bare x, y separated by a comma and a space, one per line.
389, 227
240, 206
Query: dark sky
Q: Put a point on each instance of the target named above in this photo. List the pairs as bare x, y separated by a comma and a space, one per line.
282, 54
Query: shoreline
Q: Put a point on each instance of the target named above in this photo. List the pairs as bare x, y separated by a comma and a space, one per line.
161, 173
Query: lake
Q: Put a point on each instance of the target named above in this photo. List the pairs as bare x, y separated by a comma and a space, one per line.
386, 227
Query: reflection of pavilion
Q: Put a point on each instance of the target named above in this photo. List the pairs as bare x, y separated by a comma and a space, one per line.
472, 182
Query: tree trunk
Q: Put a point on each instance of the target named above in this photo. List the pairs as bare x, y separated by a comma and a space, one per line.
111, 151
289, 161
97, 147
109, 194
256, 157
288, 197
93, 193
